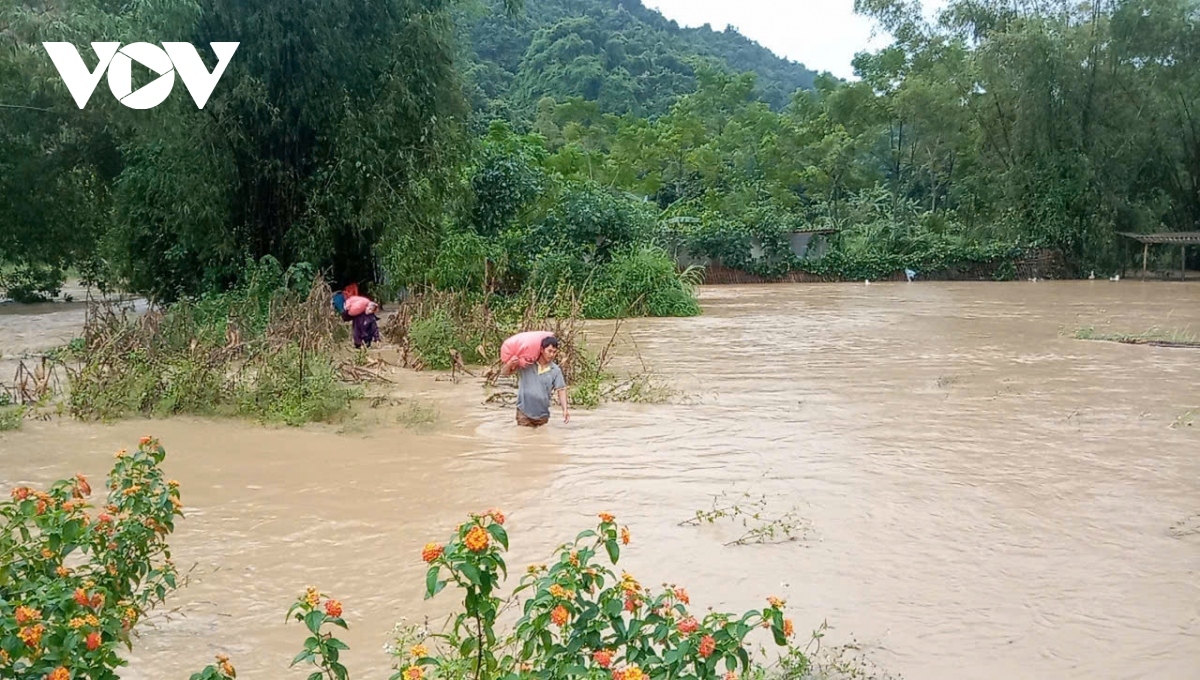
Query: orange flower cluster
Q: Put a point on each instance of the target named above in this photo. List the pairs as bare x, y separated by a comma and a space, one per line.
27, 615
559, 616
630, 673
60, 673
731, 675
788, 628
707, 646
682, 596
631, 588
606, 517
775, 602
496, 515
419, 651
477, 539
225, 666
82, 488
333, 608
625, 535
93, 641
431, 552
688, 626
32, 635
602, 657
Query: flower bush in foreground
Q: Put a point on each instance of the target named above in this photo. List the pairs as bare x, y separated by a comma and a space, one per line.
74, 579
579, 619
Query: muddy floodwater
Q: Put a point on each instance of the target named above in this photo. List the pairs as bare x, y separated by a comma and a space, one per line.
988, 497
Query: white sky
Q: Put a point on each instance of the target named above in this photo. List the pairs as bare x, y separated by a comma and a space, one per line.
824, 35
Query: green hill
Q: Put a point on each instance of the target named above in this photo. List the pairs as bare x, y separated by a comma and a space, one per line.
618, 53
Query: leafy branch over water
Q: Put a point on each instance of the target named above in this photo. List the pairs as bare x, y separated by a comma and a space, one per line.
752, 512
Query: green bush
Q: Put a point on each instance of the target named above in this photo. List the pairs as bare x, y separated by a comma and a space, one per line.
294, 388
29, 283
641, 281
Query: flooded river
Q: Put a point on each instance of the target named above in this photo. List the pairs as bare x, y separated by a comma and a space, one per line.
988, 497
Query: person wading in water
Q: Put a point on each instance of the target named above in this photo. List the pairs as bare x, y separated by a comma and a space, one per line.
536, 385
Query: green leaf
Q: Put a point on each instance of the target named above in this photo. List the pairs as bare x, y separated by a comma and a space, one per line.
335, 643
313, 620
614, 551
431, 581
471, 572
499, 534
315, 676
302, 656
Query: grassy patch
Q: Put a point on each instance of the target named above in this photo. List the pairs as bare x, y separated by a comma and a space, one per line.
265, 351
11, 417
417, 416
1155, 336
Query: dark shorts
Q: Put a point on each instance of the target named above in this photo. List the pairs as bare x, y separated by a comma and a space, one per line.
526, 421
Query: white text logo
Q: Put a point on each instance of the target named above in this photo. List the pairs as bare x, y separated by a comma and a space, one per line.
172, 57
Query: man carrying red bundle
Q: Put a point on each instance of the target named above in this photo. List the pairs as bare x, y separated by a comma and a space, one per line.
536, 384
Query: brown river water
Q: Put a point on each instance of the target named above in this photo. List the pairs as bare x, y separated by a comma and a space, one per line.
988, 497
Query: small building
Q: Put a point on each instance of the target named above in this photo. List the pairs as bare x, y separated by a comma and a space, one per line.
1183, 239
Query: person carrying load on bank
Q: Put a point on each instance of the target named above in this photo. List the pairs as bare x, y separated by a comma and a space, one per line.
531, 355
360, 311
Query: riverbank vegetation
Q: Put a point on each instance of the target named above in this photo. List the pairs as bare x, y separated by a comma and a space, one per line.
517, 147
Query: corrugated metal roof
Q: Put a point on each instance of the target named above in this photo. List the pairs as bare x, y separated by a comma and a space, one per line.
1182, 238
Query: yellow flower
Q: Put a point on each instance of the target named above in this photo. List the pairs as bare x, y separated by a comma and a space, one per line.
312, 597
419, 651
413, 673
76, 623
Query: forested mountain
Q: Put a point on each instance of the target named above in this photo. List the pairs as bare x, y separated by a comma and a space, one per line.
618, 53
